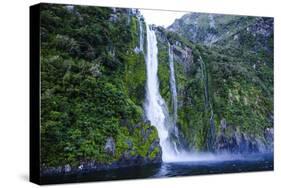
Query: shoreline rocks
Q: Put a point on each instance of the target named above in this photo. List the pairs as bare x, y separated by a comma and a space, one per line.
126, 161
233, 141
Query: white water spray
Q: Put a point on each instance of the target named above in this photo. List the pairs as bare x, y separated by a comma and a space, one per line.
155, 107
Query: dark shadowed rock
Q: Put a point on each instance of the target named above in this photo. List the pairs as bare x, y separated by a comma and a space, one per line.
110, 146
223, 124
154, 145
67, 168
145, 133
183, 55
269, 134
269, 137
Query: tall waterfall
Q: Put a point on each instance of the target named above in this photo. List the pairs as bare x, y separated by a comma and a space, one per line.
173, 84
155, 107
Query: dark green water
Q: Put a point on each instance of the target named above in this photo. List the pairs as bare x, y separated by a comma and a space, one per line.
250, 163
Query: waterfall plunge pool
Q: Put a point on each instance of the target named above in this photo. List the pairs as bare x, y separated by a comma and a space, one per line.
195, 165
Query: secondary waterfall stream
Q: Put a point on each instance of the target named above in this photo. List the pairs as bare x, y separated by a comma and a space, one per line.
173, 84
141, 34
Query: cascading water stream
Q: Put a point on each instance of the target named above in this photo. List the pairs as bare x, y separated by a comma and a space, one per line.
141, 34
173, 88
155, 107
208, 105
173, 84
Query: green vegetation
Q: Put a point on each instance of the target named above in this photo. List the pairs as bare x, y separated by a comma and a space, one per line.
92, 87
93, 83
239, 91
164, 74
234, 80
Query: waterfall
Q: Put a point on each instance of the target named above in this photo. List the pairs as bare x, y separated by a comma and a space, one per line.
205, 82
156, 110
173, 84
211, 133
141, 34
173, 88
155, 107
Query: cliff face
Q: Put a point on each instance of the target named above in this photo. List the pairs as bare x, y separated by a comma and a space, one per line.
93, 86
92, 91
224, 71
255, 33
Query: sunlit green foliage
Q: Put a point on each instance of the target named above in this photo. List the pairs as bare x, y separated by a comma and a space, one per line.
92, 87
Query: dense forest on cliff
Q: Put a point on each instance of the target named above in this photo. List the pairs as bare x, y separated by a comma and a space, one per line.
93, 85
232, 71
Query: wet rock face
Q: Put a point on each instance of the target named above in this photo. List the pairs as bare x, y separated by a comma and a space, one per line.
263, 26
223, 125
269, 137
183, 55
192, 27
67, 168
116, 13
113, 17
211, 135
269, 134
213, 29
129, 158
232, 140
153, 154
145, 133
110, 146
222, 143
158, 156
235, 144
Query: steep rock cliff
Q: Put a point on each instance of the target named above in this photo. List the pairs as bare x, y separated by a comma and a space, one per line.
224, 81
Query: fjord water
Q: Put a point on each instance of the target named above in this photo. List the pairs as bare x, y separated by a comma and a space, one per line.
216, 165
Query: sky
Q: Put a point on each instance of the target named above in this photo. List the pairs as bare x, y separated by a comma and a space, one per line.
161, 17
